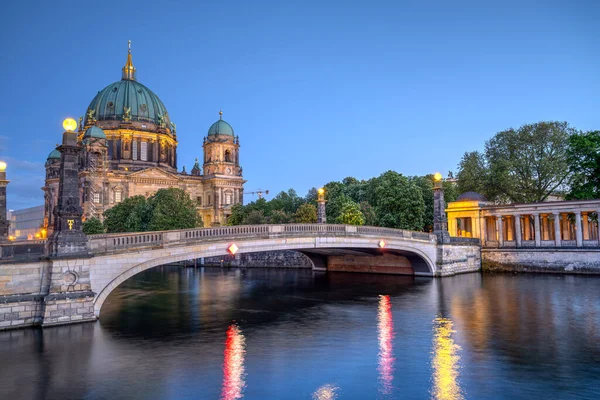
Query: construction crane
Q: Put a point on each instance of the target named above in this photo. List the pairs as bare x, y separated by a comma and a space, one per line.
258, 192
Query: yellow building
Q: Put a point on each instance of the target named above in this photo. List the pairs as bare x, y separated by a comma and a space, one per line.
130, 148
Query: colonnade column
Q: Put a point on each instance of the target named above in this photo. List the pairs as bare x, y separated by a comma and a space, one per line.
518, 230
598, 225
536, 223
585, 228
500, 231
557, 240
482, 230
578, 236
545, 229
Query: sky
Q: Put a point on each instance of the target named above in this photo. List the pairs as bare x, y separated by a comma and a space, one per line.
316, 90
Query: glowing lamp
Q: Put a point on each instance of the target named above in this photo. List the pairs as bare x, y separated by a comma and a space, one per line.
69, 124
233, 249
321, 191
382, 244
2, 166
437, 177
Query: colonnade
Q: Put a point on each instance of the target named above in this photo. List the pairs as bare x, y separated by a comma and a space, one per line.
574, 228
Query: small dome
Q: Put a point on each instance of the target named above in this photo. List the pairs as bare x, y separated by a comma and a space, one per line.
220, 128
471, 196
54, 155
94, 132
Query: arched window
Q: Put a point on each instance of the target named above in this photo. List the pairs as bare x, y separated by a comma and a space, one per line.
227, 156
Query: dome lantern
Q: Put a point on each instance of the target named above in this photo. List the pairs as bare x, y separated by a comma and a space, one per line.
129, 69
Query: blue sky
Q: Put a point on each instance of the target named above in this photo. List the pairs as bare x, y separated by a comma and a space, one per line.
316, 90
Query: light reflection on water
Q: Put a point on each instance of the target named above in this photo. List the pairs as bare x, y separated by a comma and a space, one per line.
233, 364
445, 363
326, 392
385, 327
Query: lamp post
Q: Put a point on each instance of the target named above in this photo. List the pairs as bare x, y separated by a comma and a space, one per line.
440, 222
321, 214
4, 224
67, 237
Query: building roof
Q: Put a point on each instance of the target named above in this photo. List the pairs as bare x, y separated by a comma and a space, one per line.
220, 127
54, 155
471, 196
94, 132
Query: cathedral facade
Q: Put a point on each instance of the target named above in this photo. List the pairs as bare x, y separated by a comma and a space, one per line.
129, 147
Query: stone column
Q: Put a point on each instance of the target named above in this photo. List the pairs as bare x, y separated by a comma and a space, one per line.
4, 223
578, 236
565, 228
321, 211
440, 221
585, 225
67, 237
536, 224
500, 231
518, 230
545, 232
557, 239
483, 230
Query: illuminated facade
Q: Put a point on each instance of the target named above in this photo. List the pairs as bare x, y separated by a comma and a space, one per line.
130, 148
548, 224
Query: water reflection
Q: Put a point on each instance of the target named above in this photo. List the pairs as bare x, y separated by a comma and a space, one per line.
233, 365
445, 362
326, 392
386, 345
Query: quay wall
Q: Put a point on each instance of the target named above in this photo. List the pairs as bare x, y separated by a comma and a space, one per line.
556, 260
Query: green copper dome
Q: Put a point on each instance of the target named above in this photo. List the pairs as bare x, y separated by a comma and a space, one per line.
54, 155
220, 128
127, 100
94, 132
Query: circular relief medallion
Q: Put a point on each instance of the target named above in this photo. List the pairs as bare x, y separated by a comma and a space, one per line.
228, 170
70, 277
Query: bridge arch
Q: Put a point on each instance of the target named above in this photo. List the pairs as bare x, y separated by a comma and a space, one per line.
422, 263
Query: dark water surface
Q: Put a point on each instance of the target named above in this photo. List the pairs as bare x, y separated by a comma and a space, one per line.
172, 333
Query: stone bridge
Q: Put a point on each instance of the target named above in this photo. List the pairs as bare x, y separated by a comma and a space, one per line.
51, 291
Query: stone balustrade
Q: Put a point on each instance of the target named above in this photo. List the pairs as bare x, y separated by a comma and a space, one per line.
106, 243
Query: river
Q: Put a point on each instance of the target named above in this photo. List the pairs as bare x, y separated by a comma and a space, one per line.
176, 333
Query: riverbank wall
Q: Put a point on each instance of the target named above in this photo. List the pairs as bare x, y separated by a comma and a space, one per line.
279, 259
556, 260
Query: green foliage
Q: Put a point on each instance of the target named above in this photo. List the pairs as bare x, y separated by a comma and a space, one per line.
165, 210
286, 201
398, 202
279, 217
369, 213
92, 226
172, 209
472, 173
426, 185
122, 217
350, 214
238, 213
584, 164
521, 166
311, 196
306, 214
255, 217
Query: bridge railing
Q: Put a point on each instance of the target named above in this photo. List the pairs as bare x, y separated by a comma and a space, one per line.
120, 241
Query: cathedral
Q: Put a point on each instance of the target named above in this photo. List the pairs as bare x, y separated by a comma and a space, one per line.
129, 147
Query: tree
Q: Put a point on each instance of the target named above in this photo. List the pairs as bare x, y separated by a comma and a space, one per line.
369, 213
286, 201
306, 214
311, 196
472, 173
584, 164
279, 217
122, 217
92, 226
255, 217
238, 213
172, 209
350, 214
426, 185
398, 202
528, 164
